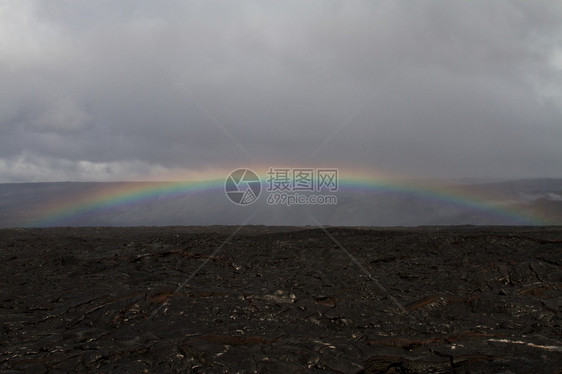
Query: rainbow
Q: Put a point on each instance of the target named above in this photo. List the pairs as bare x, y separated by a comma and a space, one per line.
124, 194
460, 196
115, 195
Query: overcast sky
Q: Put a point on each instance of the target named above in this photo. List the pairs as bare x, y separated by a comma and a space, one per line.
122, 90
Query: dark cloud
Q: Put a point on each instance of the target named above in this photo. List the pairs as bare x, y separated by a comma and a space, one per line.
463, 89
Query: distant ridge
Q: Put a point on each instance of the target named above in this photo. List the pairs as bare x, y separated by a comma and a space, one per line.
516, 202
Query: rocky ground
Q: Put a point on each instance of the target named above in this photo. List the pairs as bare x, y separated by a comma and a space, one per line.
281, 300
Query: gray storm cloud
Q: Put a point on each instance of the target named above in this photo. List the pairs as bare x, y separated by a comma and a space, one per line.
440, 89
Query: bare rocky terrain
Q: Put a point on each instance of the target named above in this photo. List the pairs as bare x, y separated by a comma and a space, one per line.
281, 300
